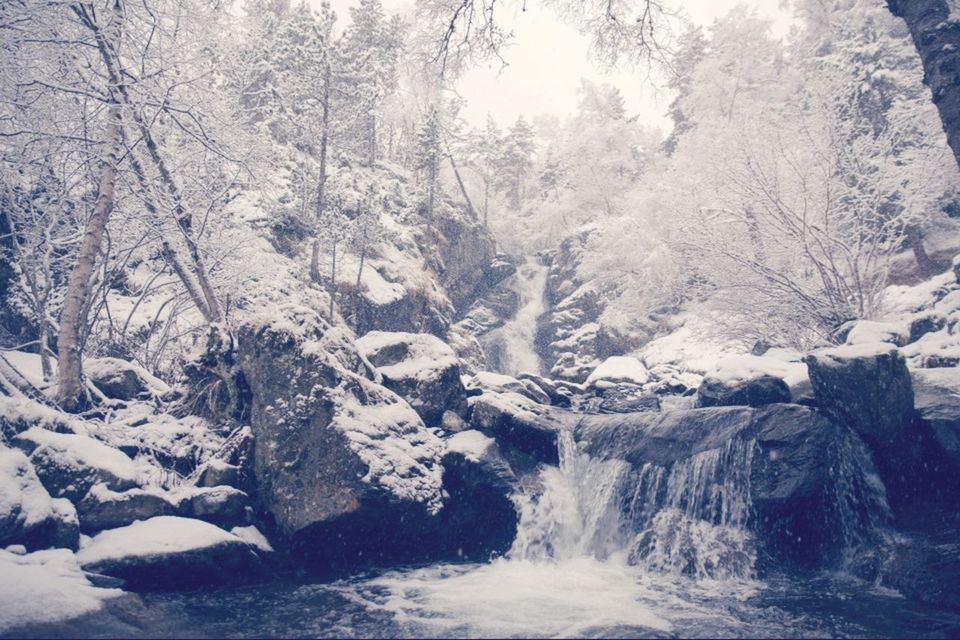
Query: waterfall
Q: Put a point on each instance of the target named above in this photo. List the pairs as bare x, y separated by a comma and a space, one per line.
693, 518
511, 348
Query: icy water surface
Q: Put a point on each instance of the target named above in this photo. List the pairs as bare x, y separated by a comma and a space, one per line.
581, 597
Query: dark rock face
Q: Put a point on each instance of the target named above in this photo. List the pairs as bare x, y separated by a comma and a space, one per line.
518, 422
171, 553
105, 509
326, 442
419, 368
755, 392
479, 520
937, 399
869, 388
787, 460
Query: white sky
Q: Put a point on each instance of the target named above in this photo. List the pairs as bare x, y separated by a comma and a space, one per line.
548, 58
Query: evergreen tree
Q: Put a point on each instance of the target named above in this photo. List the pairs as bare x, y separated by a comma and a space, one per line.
516, 161
428, 154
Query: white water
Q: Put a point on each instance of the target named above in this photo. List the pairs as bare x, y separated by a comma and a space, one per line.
511, 348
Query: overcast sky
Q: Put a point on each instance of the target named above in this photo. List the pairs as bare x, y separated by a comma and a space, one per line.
548, 58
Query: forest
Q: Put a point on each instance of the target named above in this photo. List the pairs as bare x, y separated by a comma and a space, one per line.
304, 335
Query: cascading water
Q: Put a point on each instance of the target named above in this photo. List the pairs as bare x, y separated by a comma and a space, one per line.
511, 348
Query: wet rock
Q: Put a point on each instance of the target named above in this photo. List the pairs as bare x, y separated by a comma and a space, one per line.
69, 465
28, 515
479, 520
102, 508
755, 392
868, 387
170, 552
785, 459
517, 422
420, 368
937, 400
558, 393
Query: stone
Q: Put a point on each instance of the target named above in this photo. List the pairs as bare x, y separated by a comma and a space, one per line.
28, 515
754, 392
784, 458
558, 394
420, 368
169, 552
69, 464
223, 506
122, 380
520, 423
627, 399
500, 383
216, 472
479, 519
937, 400
102, 508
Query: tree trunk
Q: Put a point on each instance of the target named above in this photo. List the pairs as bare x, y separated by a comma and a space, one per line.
486, 201
925, 265
322, 186
937, 40
73, 317
463, 189
333, 278
363, 255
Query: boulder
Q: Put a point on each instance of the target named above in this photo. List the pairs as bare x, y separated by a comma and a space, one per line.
169, 552
500, 383
420, 368
122, 380
479, 519
217, 472
784, 474
69, 464
223, 506
341, 463
937, 400
618, 369
102, 508
558, 393
625, 398
869, 388
520, 423
28, 515
755, 392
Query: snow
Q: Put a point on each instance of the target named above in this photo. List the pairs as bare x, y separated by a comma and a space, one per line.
251, 535
162, 535
471, 444
735, 369
27, 412
401, 454
837, 355
80, 452
619, 369
21, 494
939, 345
45, 587
875, 331
28, 366
693, 346
901, 298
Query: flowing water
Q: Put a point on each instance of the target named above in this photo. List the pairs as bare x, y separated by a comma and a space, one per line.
510, 348
576, 569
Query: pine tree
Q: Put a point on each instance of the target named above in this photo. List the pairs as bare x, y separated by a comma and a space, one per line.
428, 155
516, 161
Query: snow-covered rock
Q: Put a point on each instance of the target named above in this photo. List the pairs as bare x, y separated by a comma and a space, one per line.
45, 587
28, 515
169, 552
340, 461
420, 368
520, 423
70, 464
627, 398
123, 380
102, 508
937, 399
216, 472
752, 380
500, 383
223, 506
618, 369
